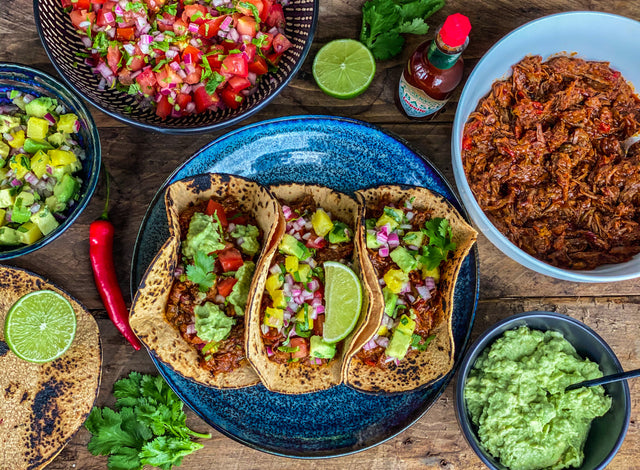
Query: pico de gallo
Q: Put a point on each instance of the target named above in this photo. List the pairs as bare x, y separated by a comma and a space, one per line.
182, 57
293, 312
407, 249
207, 302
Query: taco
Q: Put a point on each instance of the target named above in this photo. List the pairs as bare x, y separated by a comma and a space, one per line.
43, 405
413, 243
190, 307
285, 333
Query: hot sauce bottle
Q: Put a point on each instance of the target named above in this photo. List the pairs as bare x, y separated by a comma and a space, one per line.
434, 70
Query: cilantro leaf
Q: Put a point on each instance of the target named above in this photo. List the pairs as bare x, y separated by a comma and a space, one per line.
165, 452
201, 271
440, 244
421, 343
126, 458
106, 426
417, 26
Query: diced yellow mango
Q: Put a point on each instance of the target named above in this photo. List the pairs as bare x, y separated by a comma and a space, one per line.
274, 317
307, 324
291, 264
61, 157
303, 274
386, 219
434, 273
18, 139
37, 128
383, 331
321, 222
29, 233
39, 163
4, 149
273, 283
279, 299
67, 123
20, 164
395, 279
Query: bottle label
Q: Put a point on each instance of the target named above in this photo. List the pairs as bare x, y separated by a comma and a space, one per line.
415, 102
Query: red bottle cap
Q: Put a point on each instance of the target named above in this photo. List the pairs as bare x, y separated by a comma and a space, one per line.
455, 30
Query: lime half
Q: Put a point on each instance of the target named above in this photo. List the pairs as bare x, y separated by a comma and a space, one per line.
343, 301
40, 326
344, 68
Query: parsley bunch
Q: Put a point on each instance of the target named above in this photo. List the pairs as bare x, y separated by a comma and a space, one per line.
383, 22
148, 426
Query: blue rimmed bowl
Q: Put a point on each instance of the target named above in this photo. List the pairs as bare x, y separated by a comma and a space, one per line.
35, 82
63, 44
607, 432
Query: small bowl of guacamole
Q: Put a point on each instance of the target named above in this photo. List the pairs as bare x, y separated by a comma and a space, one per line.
511, 401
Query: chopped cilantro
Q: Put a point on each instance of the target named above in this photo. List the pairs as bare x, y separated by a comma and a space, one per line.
200, 272
421, 343
440, 244
253, 9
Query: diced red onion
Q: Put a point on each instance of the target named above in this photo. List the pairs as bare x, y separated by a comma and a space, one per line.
371, 344
179, 271
411, 298
233, 34
194, 42
393, 240
311, 262
108, 17
413, 247
118, 10
49, 117
193, 27
390, 359
319, 309
8, 137
424, 292
314, 285
130, 48
175, 66
191, 329
288, 279
171, 54
383, 251
86, 41
15, 182
385, 229
269, 350
287, 212
226, 22
430, 283
293, 306
275, 269
306, 236
34, 208
382, 341
264, 328
410, 215
30, 178
406, 288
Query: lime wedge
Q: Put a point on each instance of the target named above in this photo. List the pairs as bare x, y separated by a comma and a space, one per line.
40, 326
344, 68
343, 301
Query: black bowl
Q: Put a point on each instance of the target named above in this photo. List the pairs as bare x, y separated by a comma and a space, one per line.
62, 43
607, 432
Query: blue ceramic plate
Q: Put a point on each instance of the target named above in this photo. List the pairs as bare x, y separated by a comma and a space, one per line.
347, 155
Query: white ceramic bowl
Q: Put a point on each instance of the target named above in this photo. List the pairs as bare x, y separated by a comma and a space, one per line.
587, 35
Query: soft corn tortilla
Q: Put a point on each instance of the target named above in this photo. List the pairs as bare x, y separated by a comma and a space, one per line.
43, 405
296, 378
425, 367
147, 315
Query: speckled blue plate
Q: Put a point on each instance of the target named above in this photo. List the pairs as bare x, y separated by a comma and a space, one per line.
347, 155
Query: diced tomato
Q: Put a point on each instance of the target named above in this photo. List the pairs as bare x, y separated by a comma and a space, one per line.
259, 66
246, 26
276, 16
267, 39
281, 43
248, 11
230, 259
103, 17
113, 58
191, 55
79, 17
226, 286
136, 61
179, 27
250, 51
204, 100
231, 98
164, 107
166, 75
155, 5
213, 57
238, 218
210, 28
182, 100
77, 4
194, 14
124, 76
239, 83
318, 243
214, 207
194, 77
165, 22
228, 45
302, 345
273, 58
126, 34
236, 64
98, 2
147, 81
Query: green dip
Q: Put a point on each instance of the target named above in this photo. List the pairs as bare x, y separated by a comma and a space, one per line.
515, 396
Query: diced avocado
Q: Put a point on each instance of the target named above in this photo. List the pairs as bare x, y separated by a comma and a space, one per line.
3, 214
57, 139
4, 150
54, 205
7, 123
291, 246
401, 338
404, 259
59, 171
3, 172
291, 263
392, 217
434, 273
45, 220
61, 157
66, 188
29, 233
27, 198
372, 241
37, 128
414, 238
33, 145
67, 123
339, 233
9, 236
321, 349
40, 106
390, 300
273, 283
303, 318
6, 198
273, 317
370, 224
279, 299
395, 280
303, 274
18, 139
20, 212
39, 163
321, 222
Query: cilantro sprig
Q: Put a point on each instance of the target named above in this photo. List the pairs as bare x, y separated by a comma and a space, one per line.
440, 244
200, 272
148, 426
384, 22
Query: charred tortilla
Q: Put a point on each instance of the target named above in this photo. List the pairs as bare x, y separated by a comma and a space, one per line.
424, 367
149, 305
43, 405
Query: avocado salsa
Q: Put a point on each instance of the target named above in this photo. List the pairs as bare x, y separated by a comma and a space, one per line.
292, 314
407, 249
207, 302
515, 395
39, 157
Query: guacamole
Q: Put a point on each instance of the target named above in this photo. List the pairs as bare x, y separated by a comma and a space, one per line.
515, 396
205, 234
211, 322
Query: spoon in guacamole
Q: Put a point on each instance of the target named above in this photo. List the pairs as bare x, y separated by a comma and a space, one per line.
605, 379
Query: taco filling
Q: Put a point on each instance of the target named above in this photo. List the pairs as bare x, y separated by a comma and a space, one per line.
292, 314
407, 250
220, 246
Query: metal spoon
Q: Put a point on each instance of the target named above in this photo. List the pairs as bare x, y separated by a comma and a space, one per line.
605, 380
629, 142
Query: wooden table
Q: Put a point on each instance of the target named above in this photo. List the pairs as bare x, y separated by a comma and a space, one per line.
140, 162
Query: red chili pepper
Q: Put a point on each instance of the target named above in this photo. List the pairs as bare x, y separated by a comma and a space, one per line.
101, 253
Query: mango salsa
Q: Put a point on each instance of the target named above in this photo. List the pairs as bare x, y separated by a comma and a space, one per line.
273, 283
321, 222
395, 280
279, 299
18, 139
61, 157
37, 128
291, 264
39, 163
67, 123
274, 317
